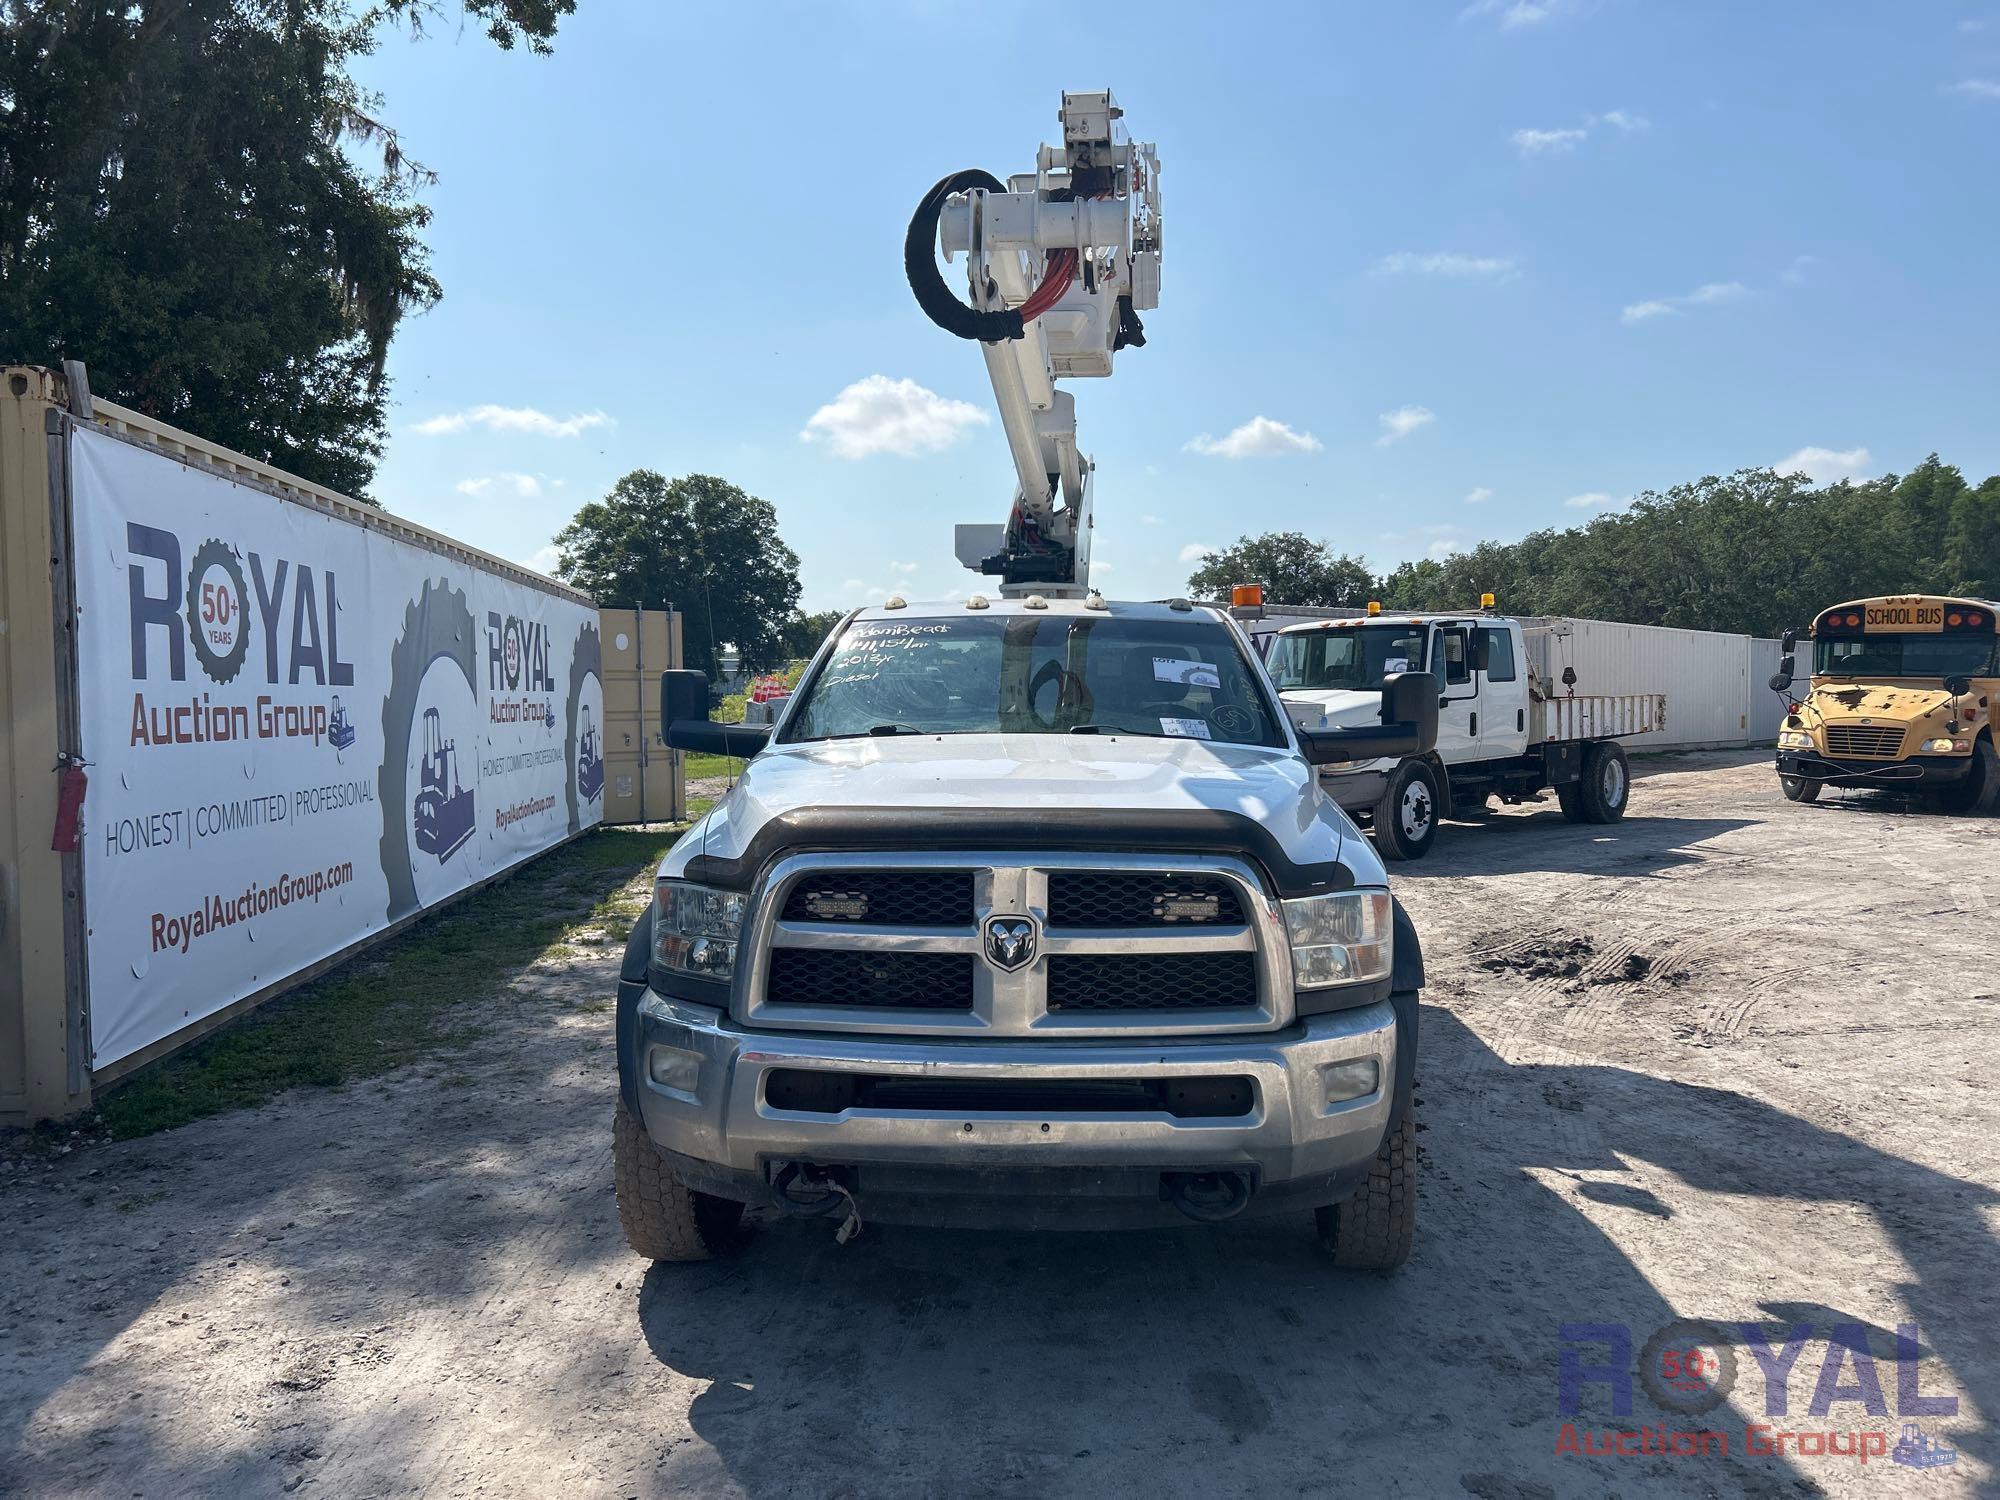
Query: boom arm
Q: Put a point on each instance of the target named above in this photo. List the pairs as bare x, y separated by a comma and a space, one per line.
1059, 264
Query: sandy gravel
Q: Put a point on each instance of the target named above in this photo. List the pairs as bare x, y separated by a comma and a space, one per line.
1731, 1060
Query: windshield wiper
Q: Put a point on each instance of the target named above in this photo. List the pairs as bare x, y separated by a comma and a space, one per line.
883, 730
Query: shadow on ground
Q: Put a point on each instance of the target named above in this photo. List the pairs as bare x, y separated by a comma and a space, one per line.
1211, 1361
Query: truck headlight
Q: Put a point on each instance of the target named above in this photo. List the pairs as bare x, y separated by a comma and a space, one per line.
1340, 939
1794, 739
695, 928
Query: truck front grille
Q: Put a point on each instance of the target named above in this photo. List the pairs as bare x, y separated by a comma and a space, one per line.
1055, 945
1152, 981
820, 1091
1139, 898
892, 898
848, 977
1871, 741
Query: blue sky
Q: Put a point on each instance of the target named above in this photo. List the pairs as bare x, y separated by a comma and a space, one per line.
1478, 269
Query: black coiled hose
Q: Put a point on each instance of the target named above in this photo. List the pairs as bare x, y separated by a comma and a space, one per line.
927, 282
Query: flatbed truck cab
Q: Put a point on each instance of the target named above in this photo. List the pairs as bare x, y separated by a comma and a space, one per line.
1902, 697
1511, 723
1025, 912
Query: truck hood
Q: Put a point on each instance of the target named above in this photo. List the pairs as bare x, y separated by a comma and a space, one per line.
1028, 773
1333, 708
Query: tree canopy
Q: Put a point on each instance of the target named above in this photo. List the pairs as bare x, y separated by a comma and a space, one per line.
1755, 552
697, 543
1292, 567
183, 205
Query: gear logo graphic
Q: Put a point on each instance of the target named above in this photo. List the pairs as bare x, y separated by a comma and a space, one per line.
218, 616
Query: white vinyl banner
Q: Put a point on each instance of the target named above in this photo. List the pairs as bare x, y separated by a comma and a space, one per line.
299, 731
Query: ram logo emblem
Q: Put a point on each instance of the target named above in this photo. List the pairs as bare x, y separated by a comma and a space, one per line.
1010, 942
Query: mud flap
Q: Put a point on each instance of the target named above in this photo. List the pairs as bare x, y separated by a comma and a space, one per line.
1406, 980
633, 977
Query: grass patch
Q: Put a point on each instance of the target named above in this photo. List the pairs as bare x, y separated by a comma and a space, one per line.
698, 763
398, 1002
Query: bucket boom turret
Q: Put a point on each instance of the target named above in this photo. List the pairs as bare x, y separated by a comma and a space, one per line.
1059, 264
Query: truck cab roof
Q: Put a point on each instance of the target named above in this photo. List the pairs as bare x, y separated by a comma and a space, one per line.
1458, 617
1093, 607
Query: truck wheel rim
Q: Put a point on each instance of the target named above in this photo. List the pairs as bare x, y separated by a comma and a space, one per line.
1415, 810
1614, 782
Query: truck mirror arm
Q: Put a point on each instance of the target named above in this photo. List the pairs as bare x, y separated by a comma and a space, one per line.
1409, 725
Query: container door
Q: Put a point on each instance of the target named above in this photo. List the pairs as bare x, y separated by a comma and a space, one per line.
642, 778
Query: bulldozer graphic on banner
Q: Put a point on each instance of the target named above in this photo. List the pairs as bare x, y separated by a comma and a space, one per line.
589, 761
443, 810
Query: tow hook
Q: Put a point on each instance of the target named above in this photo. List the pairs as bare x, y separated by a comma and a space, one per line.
805, 1191
1208, 1197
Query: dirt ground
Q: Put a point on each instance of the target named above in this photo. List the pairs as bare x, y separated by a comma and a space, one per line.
1730, 1060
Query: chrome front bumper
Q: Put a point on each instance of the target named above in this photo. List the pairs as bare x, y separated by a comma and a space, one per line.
725, 1137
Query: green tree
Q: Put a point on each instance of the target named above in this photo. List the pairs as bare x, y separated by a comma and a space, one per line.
182, 206
699, 544
804, 633
1293, 568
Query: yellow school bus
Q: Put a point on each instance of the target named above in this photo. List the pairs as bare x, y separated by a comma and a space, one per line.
1904, 695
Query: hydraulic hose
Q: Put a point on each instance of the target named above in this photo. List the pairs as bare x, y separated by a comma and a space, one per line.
927, 282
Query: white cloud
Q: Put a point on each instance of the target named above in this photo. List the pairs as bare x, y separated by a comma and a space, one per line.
1400, 423
1718, 291
1970, 25
1445, 263
904, 567
1639, 312
1976, 88
1569, 137
1798, 270
511, 419
1825, 465
543, 559
1150, 520
1592, 500
1513, 13
878, 593
1702, 296
852, 586
880, 415
1099, 569
1539, 142
1260, 437
1196, 551
1479, 495
1443, 548
526, 486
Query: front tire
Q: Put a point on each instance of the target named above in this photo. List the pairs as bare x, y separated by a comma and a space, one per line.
1406, 819
1375, 1229
663, 1218
1607, 783
1800, 788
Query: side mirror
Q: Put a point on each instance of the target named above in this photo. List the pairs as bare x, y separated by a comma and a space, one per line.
1788, 640
685, 725
1409, 725
1787, 670
1481, 648
1958, 686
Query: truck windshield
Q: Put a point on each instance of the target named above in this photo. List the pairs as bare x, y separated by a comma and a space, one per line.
1346, 657
1037, 674
1968, 653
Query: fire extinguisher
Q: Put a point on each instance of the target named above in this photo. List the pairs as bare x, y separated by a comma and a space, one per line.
69, 807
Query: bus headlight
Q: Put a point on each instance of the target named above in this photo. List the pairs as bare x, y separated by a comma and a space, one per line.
1794, 739
695, 928
1943, 746
1340, 939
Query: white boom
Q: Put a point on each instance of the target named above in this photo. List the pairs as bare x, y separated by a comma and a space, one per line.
1059, 263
